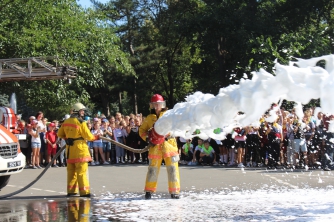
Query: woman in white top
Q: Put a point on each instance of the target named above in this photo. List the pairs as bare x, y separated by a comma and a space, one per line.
35, 144
42, 126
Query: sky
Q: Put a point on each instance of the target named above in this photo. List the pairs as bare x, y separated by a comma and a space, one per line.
87, 3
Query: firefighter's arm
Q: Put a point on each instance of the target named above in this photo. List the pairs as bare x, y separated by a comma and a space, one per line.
143, 129
86, 134
61, 133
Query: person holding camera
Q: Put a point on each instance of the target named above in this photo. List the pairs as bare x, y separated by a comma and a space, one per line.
97, 144
106, 146
34, 131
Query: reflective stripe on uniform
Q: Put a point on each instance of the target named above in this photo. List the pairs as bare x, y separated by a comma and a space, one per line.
72, 187
150, 189
84, 188
80, 160
71, 125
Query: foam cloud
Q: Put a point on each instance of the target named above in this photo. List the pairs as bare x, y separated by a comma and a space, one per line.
300, 81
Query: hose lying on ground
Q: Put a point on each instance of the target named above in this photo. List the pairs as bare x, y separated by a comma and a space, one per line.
58, 154
37, 178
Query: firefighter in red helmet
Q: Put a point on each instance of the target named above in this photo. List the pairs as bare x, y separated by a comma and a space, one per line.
162, 148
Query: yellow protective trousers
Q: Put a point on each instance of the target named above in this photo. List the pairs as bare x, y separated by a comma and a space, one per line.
169, 153
78, 210
77, 178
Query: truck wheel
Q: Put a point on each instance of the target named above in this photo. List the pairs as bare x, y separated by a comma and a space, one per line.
4, 181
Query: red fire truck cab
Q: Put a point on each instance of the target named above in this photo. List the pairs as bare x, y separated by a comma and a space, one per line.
11, 159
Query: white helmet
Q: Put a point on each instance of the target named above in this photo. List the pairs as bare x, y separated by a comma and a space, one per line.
77, 107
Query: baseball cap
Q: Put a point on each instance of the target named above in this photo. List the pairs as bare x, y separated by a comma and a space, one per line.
52, 125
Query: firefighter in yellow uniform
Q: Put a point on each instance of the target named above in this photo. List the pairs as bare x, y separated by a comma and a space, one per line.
78, 210
75, 132
161, 149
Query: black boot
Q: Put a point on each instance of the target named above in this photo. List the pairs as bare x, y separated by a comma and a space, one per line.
148, 195
71, 194
175, 196
85, 195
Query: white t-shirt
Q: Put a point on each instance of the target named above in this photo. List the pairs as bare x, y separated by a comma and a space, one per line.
198, 147
108, 129
118, 132
95, 132
41, 125
35, 139
183, 140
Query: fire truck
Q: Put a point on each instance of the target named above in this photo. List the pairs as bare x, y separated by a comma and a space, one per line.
12, 161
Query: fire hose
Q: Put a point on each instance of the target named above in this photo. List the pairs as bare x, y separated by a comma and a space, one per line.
58, 154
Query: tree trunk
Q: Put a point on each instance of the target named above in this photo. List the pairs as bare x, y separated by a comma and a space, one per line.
105, 104
135, 105
120, 102
221, 56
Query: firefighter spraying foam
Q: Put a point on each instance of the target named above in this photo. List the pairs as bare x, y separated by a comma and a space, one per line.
162, 148
75, 132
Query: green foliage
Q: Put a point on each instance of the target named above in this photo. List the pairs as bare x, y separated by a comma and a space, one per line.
4, 100
135, 48
63, 29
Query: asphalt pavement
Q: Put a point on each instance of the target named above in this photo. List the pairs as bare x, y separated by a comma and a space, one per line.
131, 178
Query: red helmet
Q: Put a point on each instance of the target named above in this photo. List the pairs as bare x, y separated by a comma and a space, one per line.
157, 99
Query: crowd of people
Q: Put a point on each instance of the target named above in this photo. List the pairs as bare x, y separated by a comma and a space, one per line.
42, 142
285, 142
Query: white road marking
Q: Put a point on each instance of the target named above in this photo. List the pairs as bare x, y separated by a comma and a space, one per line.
282, 182
35, 189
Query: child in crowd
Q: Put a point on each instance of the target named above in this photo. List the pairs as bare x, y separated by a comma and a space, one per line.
97, 144
51, 141
208, 155
240, 144
197, 151
34, 131
187, 152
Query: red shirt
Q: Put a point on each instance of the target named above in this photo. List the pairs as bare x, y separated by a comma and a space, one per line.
52, 137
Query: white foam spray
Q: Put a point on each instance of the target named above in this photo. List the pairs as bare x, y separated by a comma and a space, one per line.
253, 97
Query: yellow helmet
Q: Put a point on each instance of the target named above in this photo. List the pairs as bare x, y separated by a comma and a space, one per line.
77, 107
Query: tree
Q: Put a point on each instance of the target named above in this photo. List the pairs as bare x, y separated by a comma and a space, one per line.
63, 29
245, 35
4, 100
152, 33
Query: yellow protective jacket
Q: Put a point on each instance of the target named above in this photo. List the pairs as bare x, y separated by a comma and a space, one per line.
74, 128
143, 133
